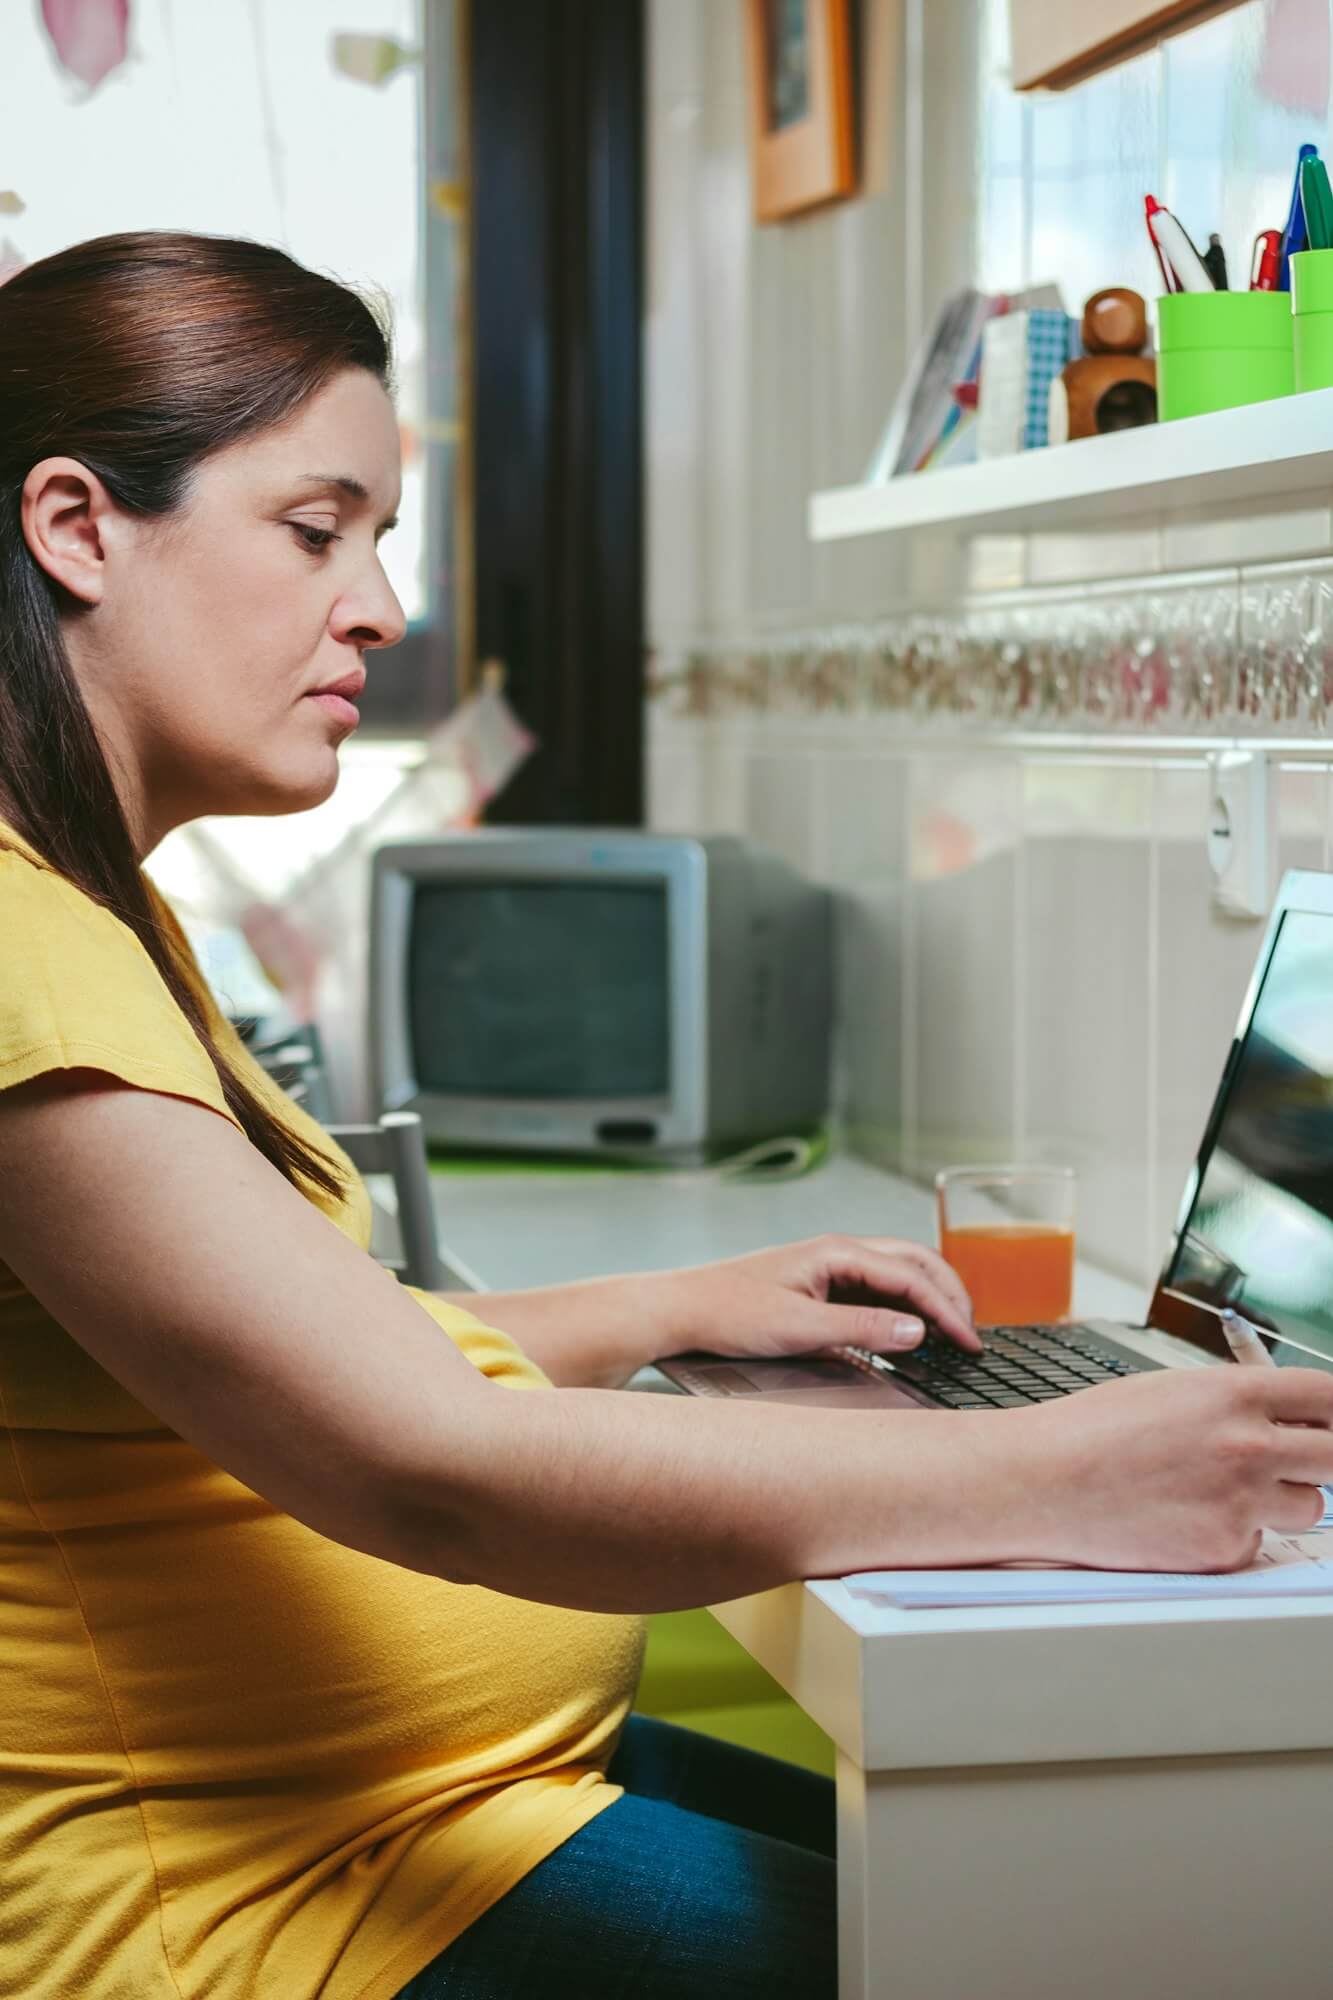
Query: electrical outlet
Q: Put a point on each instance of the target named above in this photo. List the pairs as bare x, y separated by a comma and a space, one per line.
1241, 834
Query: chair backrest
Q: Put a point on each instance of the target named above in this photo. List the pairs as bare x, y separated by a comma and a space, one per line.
296, 1061
396, 1146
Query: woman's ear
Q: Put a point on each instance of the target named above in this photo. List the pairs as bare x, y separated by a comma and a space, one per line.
65, 509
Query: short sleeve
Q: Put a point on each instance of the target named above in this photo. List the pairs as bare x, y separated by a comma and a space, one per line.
494, 1353
78, 991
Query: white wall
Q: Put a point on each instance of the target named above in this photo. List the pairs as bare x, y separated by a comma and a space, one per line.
773, 354
1030, 963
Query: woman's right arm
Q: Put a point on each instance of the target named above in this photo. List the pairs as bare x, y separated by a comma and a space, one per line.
234, 1310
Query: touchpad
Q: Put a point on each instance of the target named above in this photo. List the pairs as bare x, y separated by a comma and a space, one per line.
749, 1378
802, 1379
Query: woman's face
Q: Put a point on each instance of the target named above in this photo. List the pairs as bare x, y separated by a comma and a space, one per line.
206, 636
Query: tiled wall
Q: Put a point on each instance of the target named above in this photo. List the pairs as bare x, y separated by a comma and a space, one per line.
1029, 962
1030, 966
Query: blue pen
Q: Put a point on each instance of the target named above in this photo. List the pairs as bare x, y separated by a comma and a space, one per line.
1293, 236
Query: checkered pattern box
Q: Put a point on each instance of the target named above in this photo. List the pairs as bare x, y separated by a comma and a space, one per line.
1021, 355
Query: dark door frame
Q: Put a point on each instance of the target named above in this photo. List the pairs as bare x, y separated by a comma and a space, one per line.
556, 120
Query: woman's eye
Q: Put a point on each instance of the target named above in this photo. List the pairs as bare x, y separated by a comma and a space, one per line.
314, 539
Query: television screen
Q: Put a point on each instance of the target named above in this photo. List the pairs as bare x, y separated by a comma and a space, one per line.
539, 990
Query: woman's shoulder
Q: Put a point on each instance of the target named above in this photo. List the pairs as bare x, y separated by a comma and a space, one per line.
35, 892
12, 842
78, 988
43, 909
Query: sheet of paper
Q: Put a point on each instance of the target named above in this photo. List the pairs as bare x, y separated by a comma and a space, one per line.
1287, 1566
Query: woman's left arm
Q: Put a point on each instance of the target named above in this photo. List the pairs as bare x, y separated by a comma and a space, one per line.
874, 1292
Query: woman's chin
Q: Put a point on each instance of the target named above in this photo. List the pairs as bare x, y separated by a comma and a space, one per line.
318, 789
294, 791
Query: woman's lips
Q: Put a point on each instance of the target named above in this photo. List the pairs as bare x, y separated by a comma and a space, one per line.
339, 706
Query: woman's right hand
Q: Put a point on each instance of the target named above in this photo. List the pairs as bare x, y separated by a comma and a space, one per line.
1176, 1470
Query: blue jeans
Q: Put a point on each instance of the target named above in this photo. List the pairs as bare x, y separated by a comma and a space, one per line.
713, 1875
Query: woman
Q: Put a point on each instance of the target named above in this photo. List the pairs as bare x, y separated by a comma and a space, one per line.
316, 1640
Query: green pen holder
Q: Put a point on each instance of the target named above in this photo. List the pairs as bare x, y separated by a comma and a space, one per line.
1312, 318
1218, 349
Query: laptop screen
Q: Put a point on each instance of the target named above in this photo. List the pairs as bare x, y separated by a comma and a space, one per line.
1259, 1232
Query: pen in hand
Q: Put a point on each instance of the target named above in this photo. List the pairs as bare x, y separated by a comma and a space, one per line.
1242, 1337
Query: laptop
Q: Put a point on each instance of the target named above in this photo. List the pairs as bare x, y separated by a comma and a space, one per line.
1254, 1230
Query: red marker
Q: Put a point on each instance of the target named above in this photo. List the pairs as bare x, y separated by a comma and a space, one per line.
1152, 207
1266, 261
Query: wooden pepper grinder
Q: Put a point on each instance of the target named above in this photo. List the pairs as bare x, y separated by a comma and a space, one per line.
1113, 385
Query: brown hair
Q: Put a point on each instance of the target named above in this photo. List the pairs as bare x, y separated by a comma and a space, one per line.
141, 355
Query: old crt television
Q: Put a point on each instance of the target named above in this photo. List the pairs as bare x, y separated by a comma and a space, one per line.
570, 990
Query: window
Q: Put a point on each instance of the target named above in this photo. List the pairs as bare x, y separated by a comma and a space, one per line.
331, 128
238, 120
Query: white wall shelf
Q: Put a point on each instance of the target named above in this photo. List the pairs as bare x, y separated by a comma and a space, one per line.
1228, 461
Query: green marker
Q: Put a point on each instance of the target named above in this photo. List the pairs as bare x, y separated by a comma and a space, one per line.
1317, 201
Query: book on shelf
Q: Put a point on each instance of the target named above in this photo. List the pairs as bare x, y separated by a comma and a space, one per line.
929, 424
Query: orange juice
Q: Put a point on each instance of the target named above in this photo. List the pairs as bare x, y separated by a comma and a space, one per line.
1018, 1273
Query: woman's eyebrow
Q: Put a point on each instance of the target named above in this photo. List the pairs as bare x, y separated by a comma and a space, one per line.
343, 482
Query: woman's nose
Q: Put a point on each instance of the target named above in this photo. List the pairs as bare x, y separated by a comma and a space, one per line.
374, 617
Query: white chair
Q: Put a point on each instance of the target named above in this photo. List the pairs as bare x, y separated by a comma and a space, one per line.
396, 1146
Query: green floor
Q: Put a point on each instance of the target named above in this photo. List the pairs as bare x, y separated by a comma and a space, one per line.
695, 1674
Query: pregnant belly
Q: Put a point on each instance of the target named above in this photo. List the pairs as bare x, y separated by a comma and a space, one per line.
241, 1648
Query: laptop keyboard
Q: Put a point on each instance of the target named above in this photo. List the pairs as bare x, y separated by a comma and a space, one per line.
1021, 1364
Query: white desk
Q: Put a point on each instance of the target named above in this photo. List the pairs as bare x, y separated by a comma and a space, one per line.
510, 1231
1111, 1802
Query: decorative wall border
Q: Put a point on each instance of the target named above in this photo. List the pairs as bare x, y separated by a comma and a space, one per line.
1252, 651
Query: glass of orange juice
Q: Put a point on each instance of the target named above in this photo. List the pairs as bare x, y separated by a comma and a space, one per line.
1009, 1234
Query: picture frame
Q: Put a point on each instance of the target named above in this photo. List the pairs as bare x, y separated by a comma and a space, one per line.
802, 136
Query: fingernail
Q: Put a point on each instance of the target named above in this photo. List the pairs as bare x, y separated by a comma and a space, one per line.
907, 1332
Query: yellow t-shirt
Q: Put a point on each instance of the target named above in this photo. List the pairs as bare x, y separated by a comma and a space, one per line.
237, 1760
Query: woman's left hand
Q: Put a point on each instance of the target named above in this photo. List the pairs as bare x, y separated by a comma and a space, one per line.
833, 1291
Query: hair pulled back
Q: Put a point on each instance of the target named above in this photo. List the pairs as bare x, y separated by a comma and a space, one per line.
141, 355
